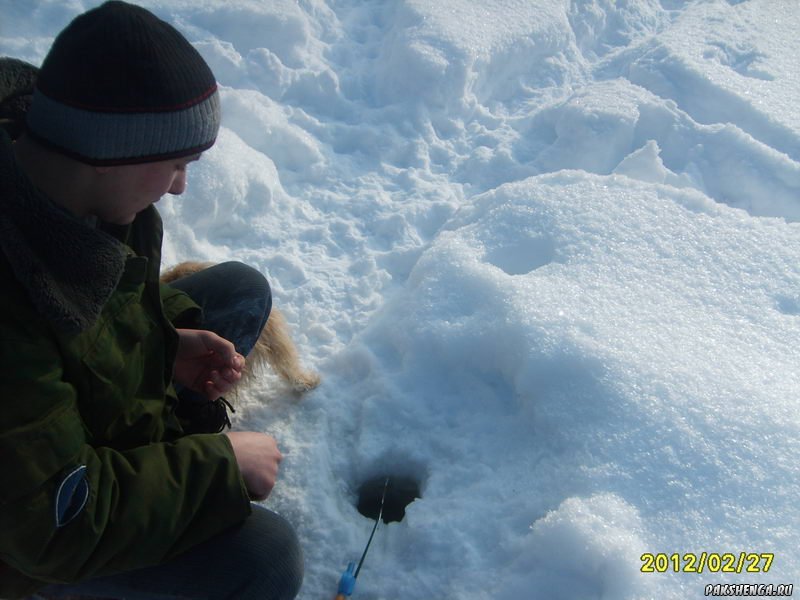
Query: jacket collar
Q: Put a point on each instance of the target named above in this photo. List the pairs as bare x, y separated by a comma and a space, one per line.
68, 268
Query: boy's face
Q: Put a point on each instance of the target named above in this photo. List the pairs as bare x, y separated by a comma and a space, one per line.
128, 189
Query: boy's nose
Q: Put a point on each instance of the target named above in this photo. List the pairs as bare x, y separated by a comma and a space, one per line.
178, 184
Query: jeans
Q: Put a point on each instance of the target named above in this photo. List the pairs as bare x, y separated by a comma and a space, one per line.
236, 301
261, 558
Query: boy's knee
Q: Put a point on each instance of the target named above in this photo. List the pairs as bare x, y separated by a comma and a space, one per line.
275, 560
245, 277
244, 273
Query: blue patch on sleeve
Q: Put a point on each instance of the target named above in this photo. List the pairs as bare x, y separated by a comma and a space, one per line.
71, 496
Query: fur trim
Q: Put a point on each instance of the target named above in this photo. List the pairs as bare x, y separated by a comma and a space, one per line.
275, 347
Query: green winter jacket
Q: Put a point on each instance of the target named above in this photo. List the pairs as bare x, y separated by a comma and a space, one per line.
96, 474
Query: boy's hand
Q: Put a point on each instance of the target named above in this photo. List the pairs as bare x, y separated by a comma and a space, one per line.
258, 458
207, 363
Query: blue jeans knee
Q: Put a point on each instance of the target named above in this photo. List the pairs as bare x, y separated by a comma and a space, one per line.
236, 300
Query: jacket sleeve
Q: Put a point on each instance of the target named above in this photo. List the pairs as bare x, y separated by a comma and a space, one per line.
179, 308
69, 511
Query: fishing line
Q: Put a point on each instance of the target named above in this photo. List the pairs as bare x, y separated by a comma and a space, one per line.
347, 583
377, 520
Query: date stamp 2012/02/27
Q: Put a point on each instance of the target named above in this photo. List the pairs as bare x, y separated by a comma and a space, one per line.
707, 562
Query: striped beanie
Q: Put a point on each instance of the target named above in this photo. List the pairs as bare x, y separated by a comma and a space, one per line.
120, 86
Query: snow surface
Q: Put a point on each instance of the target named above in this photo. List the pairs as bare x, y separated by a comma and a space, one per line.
545, 255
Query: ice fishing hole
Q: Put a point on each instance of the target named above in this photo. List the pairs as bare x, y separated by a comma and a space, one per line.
400, 492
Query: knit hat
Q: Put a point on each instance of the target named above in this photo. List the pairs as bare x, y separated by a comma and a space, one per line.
121, 86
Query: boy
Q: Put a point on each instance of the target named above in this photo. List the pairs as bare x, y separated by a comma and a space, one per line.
112, 484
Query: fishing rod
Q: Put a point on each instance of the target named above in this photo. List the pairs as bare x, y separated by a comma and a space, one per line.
347, 583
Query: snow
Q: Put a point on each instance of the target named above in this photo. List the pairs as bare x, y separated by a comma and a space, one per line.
545, 255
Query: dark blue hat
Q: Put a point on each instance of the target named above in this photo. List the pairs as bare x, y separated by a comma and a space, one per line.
121, 86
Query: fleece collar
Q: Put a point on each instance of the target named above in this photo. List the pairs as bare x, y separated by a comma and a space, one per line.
68, 268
